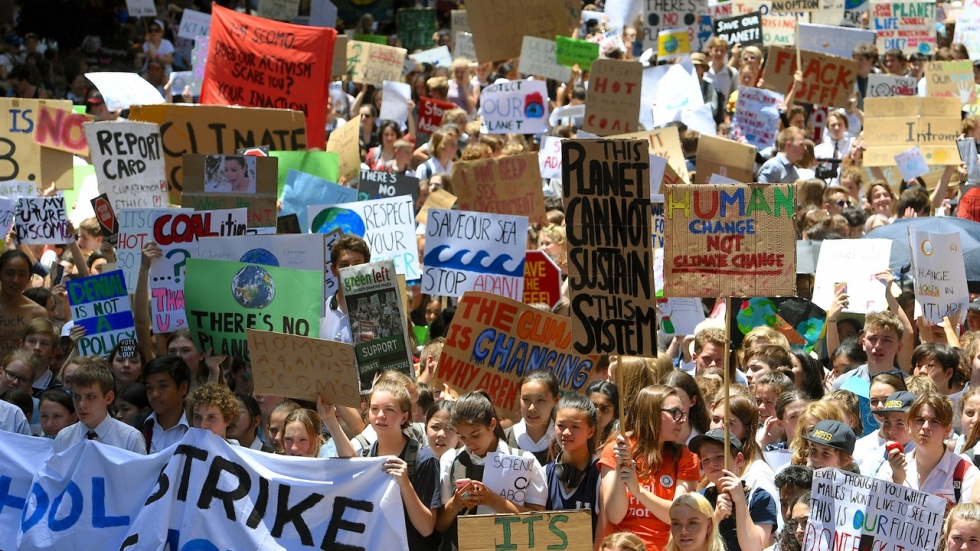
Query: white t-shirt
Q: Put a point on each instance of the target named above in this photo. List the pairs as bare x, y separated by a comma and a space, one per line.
537, 488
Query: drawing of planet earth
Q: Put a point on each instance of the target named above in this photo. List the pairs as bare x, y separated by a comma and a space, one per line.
336, 217
260, 256
253, 287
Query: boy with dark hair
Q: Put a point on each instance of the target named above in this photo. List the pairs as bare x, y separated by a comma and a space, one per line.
349, 250
167, 379
792, 481
92, 392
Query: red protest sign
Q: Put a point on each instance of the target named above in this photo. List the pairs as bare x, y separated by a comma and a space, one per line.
542, 279
106, 217
61, 129
258, 62
430, 114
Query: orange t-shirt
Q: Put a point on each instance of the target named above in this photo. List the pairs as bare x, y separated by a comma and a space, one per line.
641, 521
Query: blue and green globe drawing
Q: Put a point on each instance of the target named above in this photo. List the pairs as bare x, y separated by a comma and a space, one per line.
253, 287
337, 217
261, 257
670, 44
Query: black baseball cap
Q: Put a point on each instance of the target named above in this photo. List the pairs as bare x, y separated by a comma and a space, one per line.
899, 402
717, 436
834, 434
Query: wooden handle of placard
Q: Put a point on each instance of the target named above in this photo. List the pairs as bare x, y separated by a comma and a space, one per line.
799, 56
726, 379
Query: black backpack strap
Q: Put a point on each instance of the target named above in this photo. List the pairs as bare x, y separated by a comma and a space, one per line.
365, 445
959, 473
412, 457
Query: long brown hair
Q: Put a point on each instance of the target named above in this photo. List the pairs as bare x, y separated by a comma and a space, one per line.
647, 453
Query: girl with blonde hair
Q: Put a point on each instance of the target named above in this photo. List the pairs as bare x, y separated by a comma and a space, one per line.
820, 410
692, 525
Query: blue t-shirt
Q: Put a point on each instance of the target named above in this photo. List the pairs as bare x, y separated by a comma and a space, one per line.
584, 496
762, 510
426, 484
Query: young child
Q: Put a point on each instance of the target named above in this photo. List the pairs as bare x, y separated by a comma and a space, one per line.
622, 541
768, 387
167, 379
93, 393
534, 432
438, 429
831, 445
213, 408
57, 412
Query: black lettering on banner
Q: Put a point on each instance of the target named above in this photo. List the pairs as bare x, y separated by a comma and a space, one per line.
129, 542
261, 504
192, 454
337, 523
210, 491
163, 486
293, 515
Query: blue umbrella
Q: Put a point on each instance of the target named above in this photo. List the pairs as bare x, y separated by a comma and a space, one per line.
898, 232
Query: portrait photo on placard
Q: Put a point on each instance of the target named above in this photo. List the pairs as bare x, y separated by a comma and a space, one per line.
229, 174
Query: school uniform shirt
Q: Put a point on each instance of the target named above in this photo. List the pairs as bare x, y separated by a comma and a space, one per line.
662, 483
452, 470
762, 510
538, 447
760, 475
432, 166
12, 419
426, 485
162, 439
867, 449
940, 480
583, 496
110, 432
334, 325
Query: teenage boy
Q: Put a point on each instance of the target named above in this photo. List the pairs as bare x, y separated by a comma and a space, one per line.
39, 339
882, 341
92, 392
213, 408
167, 379
746, 517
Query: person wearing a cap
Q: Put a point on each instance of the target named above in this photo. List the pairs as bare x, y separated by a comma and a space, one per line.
831, 445
931, 467
157, 48
746, 516
893, 429
709, 93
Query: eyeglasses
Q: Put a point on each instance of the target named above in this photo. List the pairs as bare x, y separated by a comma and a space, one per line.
15, 378
676, 413
798, 523
367, 116
843, 204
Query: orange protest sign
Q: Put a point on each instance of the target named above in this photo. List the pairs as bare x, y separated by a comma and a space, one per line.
258, 62
508, 185
494, 341
61, 129
827, 79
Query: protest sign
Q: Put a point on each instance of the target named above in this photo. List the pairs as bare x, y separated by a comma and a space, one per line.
794, 6
279, 10
725, 157
438, 199
729, 240
463, 46
177, 234
911, 164
369, 63
206, 185
135, 229
799, 320
499, 27
437, 57
304, 251
886, 86
679, 315
320, 164
517, 106
474, 251
682, 93
339, 68
666, 143
746, 29
968, 33
222, 299
508, 475
122, 90
216, 129
430, 114
416, 27
100, 304
141, 8
856, 263
756, 117
377, 320
569, 530
608, 225
129, 163
195, 24
572, 51
892, 125
657, 227
106, 216
459, 22
673, 43
388, 226
950, 79
779, 29
61, 129
908, 26
303, 368
549, 157
125, 496
613, 100
394, 101
376, 184
827, 80
8, 210
494, 341
507, 185
940, 275
845, 507
345, 141
832, 39
542, 279
968, 155
665, 14
14, 190
42, 221
23, 159
539, 57
256, 62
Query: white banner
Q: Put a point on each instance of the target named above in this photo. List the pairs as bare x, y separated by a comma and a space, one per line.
200, 494
515, 107
940, 275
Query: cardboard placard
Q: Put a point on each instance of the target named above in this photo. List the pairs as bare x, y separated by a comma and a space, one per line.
61, 129
476, 357
339, 68
908, 26
204, 191
666, 143
216, 129
42, 221
438, 199
416, 27
892, 125
940, 275
100, 304
745, 29
345, 142
673, 43
506, 185
951, 79
794, 6
756, 117
375, 184
539, 57
661, 14
141, 8
887, 86
129, 163
23, 159
730, 240
542, 279
827, 80
519, 106
572, 51
725, 157
370, 63
598, 239
499, 26
463, 46
569, 530
303, 368
430, 114
854, 262
613, 99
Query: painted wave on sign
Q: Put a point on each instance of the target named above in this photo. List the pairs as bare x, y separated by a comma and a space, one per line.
474, 261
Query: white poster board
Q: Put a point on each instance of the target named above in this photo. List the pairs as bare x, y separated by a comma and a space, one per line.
855, 262
940, 275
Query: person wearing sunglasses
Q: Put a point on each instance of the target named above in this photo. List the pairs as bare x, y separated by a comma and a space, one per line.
646, 469
835, 200
157, 48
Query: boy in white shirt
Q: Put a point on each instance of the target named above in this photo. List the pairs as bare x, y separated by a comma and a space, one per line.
92, 391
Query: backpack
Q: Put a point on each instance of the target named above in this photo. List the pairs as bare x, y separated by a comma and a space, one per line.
411, 453
958, 474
